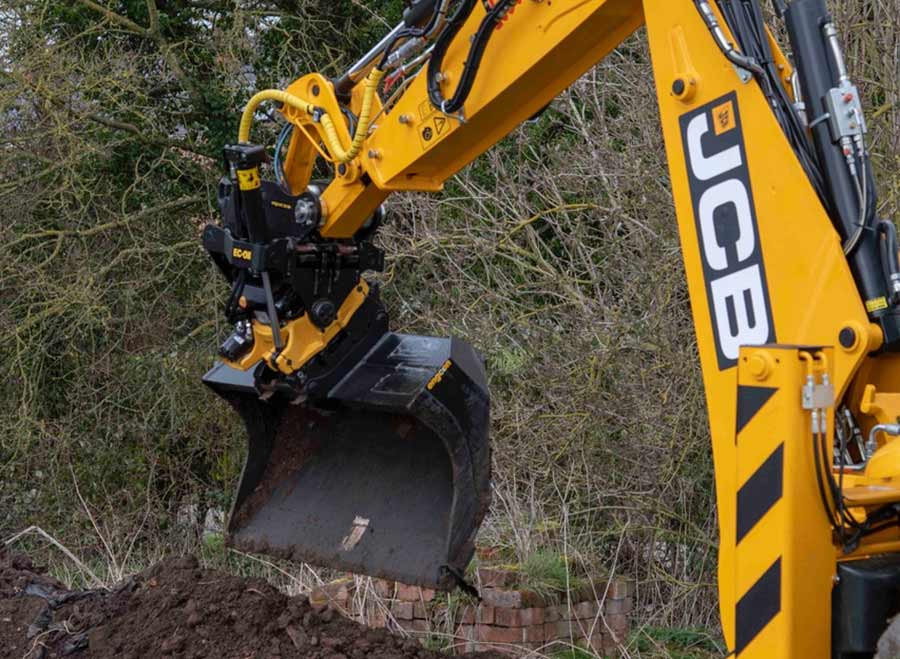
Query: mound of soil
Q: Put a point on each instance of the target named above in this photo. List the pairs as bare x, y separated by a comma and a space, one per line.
177, 609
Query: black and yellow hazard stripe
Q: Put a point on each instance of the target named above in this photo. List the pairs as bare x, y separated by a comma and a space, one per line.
762, 491
758, 607
759, 604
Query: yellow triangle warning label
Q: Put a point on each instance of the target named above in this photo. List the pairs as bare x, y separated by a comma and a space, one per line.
440, 123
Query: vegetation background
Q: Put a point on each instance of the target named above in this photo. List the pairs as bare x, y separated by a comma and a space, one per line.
556, 254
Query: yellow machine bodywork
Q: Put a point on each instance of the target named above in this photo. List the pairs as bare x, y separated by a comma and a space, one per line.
778, 551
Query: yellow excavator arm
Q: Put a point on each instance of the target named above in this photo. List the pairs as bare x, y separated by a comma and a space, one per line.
368, 449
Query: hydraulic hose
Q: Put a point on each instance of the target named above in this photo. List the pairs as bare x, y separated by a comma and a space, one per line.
890, 261
473, 60
362, 124
270, 95
332, 141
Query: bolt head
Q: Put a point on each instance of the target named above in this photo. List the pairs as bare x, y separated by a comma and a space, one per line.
760, 365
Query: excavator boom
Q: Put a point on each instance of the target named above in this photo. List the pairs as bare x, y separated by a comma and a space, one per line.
368, 449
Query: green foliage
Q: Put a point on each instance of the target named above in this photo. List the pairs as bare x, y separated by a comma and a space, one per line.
545, 571
675, 643
571, 653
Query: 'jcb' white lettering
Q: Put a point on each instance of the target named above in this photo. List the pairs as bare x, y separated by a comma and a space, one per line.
735, 289
720, 195
706, 168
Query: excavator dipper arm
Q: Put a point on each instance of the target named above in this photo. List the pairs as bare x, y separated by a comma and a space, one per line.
368, 450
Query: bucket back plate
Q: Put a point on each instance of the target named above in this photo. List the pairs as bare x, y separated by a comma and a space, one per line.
386, 475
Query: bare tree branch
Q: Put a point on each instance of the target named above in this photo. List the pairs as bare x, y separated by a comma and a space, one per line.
118, 19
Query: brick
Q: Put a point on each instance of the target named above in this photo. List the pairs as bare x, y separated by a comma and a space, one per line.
618, 589
518, 617
565, 612
402, 610
532, 616
492, 577
331, 594
561, 630
502, 599
406, 593
464, 639
586, 610
532, 600
419, 610
533, 634
618, 606
551, 614
467, 614
617, 622
508, 617
494, 634
486, 615
514, 599
383, 588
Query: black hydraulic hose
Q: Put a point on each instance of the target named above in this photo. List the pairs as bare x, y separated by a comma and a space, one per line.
454, 25
271, 311
745, 20
890, 261
237, 289
412, 32
473, 61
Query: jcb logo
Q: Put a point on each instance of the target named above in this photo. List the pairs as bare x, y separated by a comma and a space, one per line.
726, 227
242, 254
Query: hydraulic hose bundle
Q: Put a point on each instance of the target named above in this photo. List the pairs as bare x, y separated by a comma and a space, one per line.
338, 154
473, 61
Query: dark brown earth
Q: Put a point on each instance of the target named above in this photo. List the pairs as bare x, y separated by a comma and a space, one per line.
177, 609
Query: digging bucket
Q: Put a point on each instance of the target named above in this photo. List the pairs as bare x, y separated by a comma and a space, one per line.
388, 474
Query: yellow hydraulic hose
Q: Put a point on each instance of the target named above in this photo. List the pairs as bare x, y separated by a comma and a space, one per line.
269, 95
362, 126
331, 136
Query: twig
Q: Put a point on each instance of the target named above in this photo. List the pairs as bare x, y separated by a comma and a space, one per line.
56, 543
109, 551
270, 565
118, 19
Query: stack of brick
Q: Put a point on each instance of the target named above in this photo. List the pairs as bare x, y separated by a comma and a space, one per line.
411, 608
516, 621
508, 618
